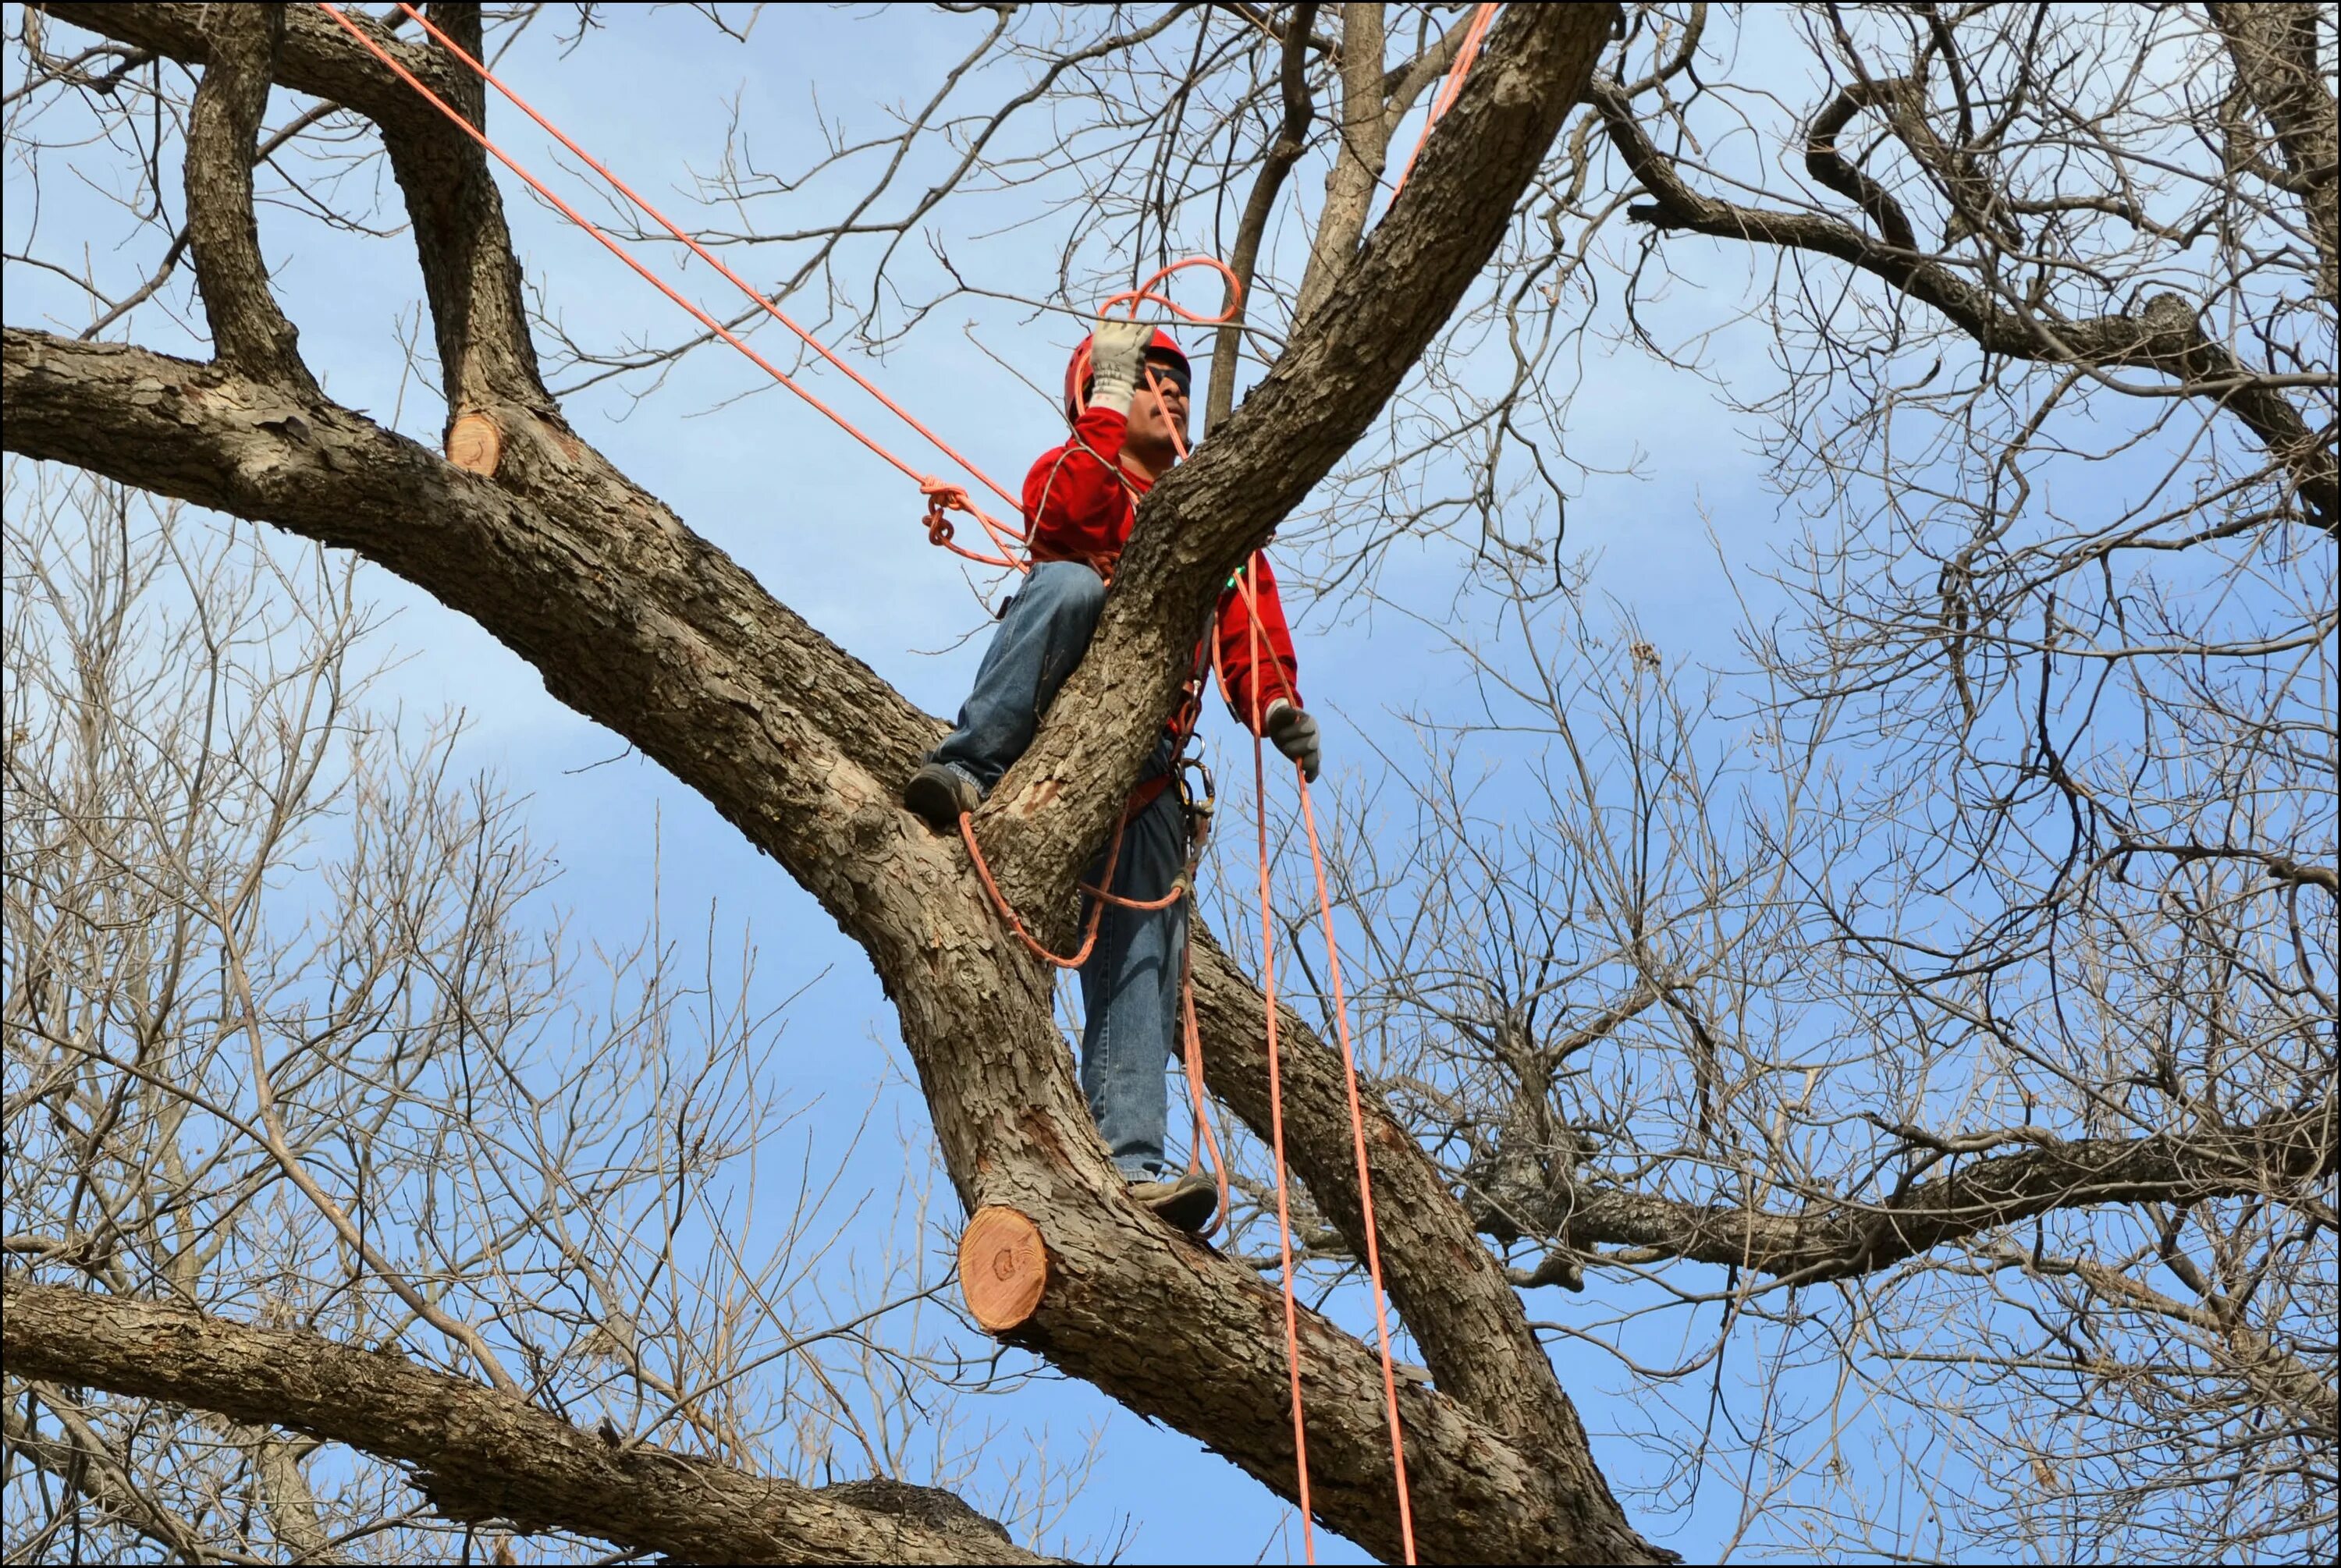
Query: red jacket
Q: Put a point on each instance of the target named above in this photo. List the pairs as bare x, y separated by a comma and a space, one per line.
1079, 505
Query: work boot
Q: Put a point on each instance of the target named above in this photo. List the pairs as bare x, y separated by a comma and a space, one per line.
940, 793
1187, 1202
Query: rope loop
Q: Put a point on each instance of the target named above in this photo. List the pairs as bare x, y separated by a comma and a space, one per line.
1145, 294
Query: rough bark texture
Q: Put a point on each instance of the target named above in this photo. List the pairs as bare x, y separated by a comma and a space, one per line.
639, 623
471, 277
662, 637
1364, 143
248, 331
1467, 1319
479, 1455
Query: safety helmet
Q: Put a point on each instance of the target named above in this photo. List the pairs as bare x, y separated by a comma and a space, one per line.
1163, 347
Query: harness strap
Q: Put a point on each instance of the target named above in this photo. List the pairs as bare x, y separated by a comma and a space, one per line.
1148, 792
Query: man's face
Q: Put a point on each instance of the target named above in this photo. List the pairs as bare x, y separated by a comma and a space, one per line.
1160, 409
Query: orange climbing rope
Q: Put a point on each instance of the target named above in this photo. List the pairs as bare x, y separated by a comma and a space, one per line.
1465, 52
1098, 895
1145, 293
1357, 1116
941, 497
1276, 1081
1365, 1182
701, 252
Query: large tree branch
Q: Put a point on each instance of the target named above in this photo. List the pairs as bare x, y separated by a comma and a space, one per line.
1847, 1237
481, 1455
633, 619
473, 281
638, 623
248, 330
1373, 101
1343, 368
1466, 1318
316, 56
2165, 335
1361, 137
1055, 806
1403, 84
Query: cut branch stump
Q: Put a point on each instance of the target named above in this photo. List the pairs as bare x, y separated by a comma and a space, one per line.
474, 442
1003, 1268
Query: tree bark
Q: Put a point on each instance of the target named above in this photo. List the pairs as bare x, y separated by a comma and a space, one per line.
248, 329
641, 625
1363, 144
1267, 183
480, 1455
1053, 808
2274, 49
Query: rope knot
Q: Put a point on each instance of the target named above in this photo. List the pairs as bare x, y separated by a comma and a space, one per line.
942, 495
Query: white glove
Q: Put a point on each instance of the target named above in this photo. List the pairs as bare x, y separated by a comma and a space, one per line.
1116, 349
1295, 734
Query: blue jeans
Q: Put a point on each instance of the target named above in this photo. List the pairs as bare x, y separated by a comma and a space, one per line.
1130, 985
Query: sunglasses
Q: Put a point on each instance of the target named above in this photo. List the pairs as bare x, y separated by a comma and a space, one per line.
1169, 372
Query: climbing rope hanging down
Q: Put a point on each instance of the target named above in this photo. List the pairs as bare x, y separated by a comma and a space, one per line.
1466, 52
1007, 539
1276, 1108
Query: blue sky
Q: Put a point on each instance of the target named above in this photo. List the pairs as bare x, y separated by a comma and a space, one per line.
835, 535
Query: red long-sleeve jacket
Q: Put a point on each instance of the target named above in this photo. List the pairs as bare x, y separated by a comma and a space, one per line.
1079, 505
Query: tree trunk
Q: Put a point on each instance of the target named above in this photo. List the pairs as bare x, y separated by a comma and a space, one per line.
639, 623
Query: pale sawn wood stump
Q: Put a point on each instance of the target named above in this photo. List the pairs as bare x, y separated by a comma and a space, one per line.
1003, 1268
473, 442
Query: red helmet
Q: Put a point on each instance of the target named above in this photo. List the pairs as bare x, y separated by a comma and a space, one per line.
1077, 369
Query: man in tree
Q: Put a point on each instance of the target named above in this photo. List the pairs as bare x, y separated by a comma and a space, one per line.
1126, 392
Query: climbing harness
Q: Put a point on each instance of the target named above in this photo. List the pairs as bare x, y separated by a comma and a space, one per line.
943, 498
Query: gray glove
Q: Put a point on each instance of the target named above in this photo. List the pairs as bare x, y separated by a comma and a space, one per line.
1116, 349
1295, 734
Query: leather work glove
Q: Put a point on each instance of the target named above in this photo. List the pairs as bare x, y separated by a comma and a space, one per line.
1295, 734
1116, 349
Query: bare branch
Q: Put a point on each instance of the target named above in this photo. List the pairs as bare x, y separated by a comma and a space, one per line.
1836, 1238
481, 1456
2164, 336
1268, 184
1055, 805
248, 331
